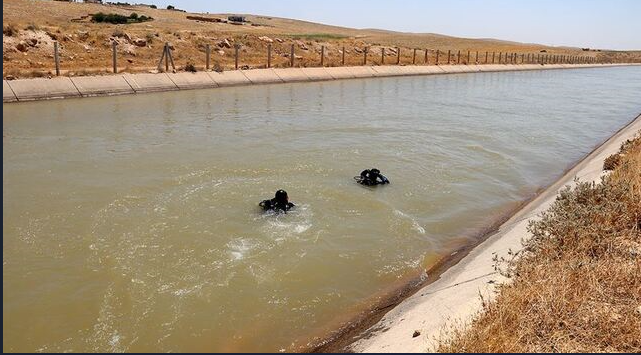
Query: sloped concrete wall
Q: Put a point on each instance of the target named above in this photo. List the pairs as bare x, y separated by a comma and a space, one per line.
40, 88
186, 80
63, 87
102, 85
7, 93
150, 82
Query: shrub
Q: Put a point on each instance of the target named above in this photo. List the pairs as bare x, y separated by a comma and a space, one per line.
153, 6
575, 287
611, 162
118, 33
32, 27
119, 19
9, 30
99, 17
171, 7
190, 67
150, 37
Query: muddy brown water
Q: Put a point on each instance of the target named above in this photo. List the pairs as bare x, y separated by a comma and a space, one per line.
131, 223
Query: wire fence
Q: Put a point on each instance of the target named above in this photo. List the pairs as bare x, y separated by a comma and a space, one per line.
359, 56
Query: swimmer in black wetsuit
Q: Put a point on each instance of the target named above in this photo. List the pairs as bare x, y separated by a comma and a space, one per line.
371, 177
280, 202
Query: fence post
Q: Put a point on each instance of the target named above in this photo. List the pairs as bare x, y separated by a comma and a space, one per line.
493, 57
468, 58
343, 57
383, 56
477, 58
166, 54
171, 58
487, 56
365, 55
114, 57
414, 57
291, 57
398, 55
427, 59
236, 47
322, 63
207, 54
269, 55
56, 57
438, 53
449, 56
458, 60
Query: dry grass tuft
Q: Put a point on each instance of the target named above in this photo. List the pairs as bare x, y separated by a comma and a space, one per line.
577, 285
9, 30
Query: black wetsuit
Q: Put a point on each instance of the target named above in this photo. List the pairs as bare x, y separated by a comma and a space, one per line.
372, 178
276, 205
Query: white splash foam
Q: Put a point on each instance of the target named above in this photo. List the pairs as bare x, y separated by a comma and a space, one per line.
415, 225
238, 248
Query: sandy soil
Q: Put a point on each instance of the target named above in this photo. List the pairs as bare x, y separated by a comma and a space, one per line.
85, 47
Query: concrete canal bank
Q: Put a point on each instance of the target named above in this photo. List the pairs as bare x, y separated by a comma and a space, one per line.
459, 292
120, 84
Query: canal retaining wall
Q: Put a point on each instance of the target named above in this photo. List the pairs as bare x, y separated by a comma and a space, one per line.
459, 293
120, 84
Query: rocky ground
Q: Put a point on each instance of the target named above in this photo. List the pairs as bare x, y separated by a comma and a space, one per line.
30, 28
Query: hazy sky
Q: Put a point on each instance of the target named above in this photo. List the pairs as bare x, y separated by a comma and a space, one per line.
607, 24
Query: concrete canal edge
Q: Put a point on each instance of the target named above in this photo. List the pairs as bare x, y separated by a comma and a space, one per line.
452, 294
120, 84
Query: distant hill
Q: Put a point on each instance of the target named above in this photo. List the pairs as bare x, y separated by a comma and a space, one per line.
31, 26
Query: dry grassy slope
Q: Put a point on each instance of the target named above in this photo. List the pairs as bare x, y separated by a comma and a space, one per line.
577, 285
84, 53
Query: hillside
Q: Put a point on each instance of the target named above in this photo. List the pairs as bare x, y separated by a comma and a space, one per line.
31, 26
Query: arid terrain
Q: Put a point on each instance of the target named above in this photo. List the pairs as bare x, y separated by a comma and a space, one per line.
30, 28
576, 285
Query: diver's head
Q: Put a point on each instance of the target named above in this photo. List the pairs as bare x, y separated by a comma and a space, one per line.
281, 196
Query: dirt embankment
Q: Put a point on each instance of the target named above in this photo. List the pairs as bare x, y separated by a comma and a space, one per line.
30, 28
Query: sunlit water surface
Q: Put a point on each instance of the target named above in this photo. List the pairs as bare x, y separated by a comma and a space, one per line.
131, 223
